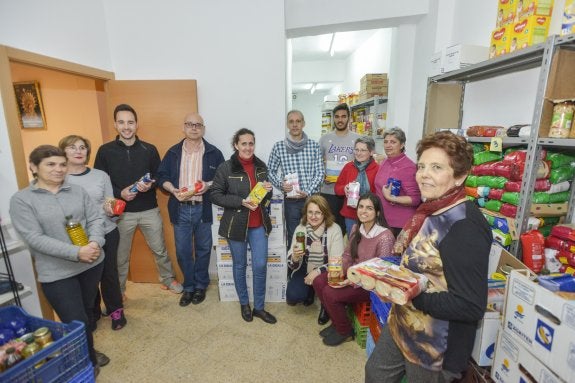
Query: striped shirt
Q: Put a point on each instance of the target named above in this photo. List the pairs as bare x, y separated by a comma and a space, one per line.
191, 167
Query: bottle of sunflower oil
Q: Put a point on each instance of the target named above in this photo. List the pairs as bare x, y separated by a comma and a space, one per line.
76, 232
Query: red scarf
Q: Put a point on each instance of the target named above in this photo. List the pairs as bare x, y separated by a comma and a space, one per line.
424, 210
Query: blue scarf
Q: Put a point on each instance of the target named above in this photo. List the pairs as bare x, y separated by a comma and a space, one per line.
362, 176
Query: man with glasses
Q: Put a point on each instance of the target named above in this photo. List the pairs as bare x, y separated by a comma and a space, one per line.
126, 160
337, 150
295, 167
186, 172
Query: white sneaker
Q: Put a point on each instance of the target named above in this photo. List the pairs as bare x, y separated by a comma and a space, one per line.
175, 287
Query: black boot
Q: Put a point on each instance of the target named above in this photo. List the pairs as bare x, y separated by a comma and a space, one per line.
323, 317
310, 296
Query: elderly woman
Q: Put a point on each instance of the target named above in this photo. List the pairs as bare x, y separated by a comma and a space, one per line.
398, 209
244, 220
430, 338
98, 185
322, 237
68, 274
361, 170
369, 238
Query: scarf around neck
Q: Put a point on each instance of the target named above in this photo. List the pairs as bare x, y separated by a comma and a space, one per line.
424, 210
362, 175
292, 146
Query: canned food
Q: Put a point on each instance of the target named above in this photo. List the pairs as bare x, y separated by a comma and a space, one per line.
43, 336
30, 349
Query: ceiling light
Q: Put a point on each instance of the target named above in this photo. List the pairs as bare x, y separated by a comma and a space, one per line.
332, 45
312, 89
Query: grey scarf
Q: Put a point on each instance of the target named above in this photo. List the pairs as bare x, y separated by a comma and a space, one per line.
292, 146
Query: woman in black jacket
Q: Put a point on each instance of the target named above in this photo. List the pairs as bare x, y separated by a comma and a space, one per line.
244, 220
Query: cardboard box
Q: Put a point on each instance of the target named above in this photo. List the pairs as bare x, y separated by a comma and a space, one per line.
217, 212
505, 12
549, 209
501, 261
513, 363
533, 7
529, 31
436, 64
277, 272
461, 55
375, 78
275, 291
225, 271
543, 322
485, 338
500, 41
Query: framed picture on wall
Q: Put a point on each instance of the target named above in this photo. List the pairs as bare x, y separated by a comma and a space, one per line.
30, 109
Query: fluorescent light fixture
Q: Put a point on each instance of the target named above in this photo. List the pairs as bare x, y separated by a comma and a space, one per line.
332, 45
312, 89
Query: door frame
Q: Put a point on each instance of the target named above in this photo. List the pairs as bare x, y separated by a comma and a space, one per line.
8, 55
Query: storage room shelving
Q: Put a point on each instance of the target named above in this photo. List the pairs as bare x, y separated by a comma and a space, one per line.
556, 60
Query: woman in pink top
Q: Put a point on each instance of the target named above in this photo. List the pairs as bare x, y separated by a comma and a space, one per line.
397, 209
369, 238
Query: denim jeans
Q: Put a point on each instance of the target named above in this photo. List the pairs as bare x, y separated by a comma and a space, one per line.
297, 291
292, 211
191, 231
258, 241
73, 299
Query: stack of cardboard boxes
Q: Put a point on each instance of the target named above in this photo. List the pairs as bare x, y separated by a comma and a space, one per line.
371, 85
277, 264
520, 23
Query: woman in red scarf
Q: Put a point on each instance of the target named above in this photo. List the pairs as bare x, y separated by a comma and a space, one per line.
430, 338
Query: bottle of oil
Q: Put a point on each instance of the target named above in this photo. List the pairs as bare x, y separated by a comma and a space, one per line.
76, 232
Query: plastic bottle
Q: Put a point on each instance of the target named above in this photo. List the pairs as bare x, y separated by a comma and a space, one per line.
76, 232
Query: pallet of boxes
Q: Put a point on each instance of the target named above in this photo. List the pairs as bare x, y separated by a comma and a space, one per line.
276, 279
372, 85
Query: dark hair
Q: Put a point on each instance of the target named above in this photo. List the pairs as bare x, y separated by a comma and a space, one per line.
125, 108
323, 206
379, 219
458, 150
295, 111
342, 107
241, 132
44, 151
69, 140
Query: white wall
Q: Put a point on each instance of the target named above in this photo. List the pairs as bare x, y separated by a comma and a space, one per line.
318, 71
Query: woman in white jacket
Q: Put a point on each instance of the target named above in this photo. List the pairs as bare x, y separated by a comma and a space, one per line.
322, 238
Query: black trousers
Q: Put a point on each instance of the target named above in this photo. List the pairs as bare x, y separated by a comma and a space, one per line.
73, 299
111, 293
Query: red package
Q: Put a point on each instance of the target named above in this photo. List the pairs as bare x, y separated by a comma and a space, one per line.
496, 194
518, 156
540, 185
564, 231
533, 244
185, 192
566, 257
516, 171
502, 169
485, 169
557, 243
118, 206
508, 210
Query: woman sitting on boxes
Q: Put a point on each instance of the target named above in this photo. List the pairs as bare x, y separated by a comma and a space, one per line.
316, 237
430, 338
369, 238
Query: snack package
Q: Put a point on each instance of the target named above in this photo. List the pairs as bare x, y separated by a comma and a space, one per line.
258, 193
187, 192
353, 194
564, 231
390, 281
293, 180
145, 178
117, 205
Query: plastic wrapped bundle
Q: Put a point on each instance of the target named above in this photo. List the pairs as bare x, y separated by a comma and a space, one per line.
493, 205
508, 210
486, 169
510, 197
560, 174
565, 231
483, 157
471, 181
540, 185
559, 197
559, 159
495, 194
472, 192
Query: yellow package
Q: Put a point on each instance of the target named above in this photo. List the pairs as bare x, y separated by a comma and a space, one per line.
500, 39
568, 22
533, 7
529, 31
505, 12
258, 193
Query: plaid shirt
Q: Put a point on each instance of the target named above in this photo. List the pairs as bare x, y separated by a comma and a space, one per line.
307, 163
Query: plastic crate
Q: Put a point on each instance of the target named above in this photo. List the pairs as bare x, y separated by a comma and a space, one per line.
68, 353
374, 328
85, 376
362, 312
369, 344
359, 331
379, 308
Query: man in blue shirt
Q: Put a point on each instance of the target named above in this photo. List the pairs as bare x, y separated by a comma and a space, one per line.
295, 166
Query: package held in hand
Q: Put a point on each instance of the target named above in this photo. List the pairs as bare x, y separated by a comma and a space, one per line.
145, 179
258, 193
389, 281
293, 180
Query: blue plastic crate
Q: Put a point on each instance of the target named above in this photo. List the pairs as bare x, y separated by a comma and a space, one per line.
369, 344
379, 308
85, 376
68, 354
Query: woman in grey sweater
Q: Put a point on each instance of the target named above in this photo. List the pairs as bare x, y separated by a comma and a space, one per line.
68, 274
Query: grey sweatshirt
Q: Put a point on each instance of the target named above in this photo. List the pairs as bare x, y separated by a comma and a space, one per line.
39, 216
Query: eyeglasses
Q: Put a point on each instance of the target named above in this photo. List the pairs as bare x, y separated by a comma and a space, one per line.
360, 150
193, 125
315, 213
73, 148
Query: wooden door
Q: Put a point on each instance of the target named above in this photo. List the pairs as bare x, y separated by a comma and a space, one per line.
161, 106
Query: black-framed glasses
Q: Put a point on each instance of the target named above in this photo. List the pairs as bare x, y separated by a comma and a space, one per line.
193, 125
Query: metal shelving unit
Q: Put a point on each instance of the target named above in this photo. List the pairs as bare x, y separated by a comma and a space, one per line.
451, 88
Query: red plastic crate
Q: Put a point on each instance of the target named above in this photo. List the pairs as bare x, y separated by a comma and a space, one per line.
362, 312
374, 327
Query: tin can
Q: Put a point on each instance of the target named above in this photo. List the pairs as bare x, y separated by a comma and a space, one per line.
43, 336
394, 185
300, 240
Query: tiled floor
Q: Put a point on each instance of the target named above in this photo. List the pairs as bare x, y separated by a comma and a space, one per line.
210, 342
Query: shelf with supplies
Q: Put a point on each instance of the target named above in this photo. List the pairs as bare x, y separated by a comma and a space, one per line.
377, 100
549, 68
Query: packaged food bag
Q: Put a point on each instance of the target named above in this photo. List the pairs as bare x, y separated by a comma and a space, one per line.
258, 193
533, 245
353, 194
187, 192
293, 180
508, 210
